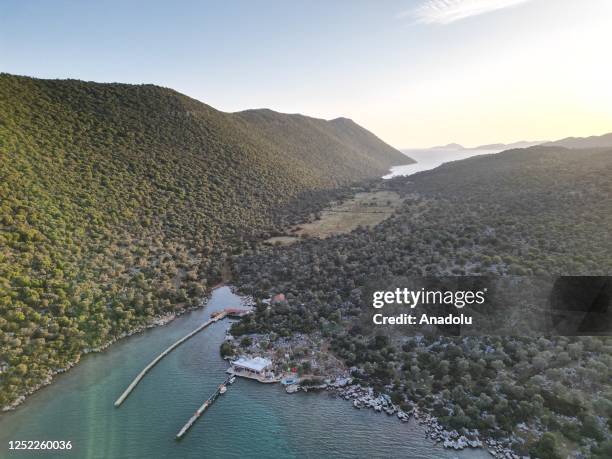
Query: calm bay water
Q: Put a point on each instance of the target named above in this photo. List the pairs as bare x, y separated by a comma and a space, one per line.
250, 420
432, 158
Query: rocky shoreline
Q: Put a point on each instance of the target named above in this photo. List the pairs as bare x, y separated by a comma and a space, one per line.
366, 398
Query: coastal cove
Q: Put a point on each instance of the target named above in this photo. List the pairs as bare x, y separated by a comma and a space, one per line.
306, 231
251, 419
270, 421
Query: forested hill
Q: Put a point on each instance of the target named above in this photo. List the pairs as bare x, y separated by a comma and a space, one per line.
541, 210
333, 148
119, 202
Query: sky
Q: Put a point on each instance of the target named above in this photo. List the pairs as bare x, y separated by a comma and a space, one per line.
415, 72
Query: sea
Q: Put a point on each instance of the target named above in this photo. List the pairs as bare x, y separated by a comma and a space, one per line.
431, 158
251, 420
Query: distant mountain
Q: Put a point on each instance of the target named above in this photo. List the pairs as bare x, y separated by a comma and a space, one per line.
330, 149
450, 146
508, 146
595, 141
491, 146
601, 141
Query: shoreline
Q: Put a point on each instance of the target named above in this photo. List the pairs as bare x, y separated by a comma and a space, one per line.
156, 321
363, 398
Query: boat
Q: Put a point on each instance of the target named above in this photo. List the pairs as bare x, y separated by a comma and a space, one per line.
222, 389
232, 380
292, 389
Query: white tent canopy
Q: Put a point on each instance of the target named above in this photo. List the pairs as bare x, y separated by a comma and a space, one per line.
256, 364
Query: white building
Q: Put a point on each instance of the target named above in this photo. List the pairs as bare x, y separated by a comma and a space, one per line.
258, 368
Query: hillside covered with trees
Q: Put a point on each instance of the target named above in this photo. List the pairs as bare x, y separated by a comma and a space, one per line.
119, 203
537, 211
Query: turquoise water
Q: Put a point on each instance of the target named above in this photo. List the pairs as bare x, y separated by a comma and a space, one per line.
250, 420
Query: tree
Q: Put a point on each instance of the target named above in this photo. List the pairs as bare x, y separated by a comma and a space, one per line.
546, 448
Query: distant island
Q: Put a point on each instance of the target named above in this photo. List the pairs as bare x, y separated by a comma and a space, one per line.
509, 146
595, 141
490, 146
450, 146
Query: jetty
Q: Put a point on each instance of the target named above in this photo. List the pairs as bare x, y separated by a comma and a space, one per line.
209, 401
215, 317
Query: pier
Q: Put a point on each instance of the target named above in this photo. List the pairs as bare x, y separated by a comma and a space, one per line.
215, 318
209, 401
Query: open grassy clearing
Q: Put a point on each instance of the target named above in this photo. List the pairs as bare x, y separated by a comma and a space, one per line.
365, 209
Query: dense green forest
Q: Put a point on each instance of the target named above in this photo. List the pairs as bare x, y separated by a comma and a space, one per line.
123, 203
119, 203
536, 211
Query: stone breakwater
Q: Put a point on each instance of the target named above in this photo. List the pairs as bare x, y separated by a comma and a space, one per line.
366, 398
155, 321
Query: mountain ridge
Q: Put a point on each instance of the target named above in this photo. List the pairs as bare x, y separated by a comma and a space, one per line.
594, 141
508, 146
121, 203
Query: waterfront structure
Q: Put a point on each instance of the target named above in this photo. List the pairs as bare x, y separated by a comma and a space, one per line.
258, 368
139, 376
232, 312
209, 401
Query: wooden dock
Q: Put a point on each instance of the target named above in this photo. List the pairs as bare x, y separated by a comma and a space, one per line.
209, 401
136, 380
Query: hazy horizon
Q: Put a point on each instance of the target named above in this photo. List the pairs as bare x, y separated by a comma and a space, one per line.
415, 73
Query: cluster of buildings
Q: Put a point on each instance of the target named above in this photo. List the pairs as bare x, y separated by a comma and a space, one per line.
258, 368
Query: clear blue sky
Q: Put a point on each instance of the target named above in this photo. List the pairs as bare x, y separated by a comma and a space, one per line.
415, 72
